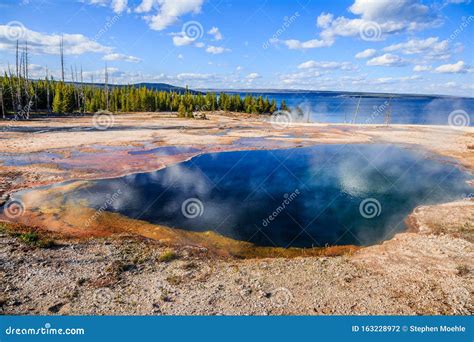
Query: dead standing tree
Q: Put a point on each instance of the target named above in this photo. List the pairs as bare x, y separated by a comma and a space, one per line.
29, 97
106, 76
61, 52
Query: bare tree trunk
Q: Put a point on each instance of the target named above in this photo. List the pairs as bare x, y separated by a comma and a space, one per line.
29, 100
12, 89
1, 101
106, 88
47, 92
83, 99
19, 106
61, 51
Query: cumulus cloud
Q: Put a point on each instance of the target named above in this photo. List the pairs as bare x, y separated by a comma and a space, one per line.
324, 20
366, 53
326, 65
386, 17
294, 44
430, 48
42, 43
145, 6
167, 11
303, 78
387, 60
456, 68
118, 6
121, 57
412, 12
216, 33
385, 80
253, 76
181, 39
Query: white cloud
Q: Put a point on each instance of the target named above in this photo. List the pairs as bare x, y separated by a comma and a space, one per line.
430, 48
145, 6
385, 16
409, 14
180, 56
253, 76
384, 80
215, 50
294, 44
194, 76
42, 43
382, 17
168, 11
387, 60
304, 78
181, 39
456, 68
419, 68
216, 33
366, 53
324, 20
119, 6
326, 65
121, 57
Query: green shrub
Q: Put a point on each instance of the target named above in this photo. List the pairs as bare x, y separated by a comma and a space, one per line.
167, 256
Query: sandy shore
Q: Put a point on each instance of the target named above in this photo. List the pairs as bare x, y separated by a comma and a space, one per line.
428, 270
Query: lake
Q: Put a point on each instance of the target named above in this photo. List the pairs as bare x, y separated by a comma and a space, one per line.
341, 107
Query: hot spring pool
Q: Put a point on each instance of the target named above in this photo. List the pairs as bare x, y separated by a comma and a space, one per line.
302, 197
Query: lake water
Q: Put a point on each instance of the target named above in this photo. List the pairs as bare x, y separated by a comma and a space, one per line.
312, 196
340, 107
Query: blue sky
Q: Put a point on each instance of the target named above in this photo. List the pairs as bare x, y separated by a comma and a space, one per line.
408, 46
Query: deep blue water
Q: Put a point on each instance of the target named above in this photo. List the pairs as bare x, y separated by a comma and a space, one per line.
313, 194
340, 107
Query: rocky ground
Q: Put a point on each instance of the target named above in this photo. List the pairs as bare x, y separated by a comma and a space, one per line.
427, 270
414, 273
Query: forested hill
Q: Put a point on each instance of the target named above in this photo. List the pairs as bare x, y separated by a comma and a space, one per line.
150, 86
